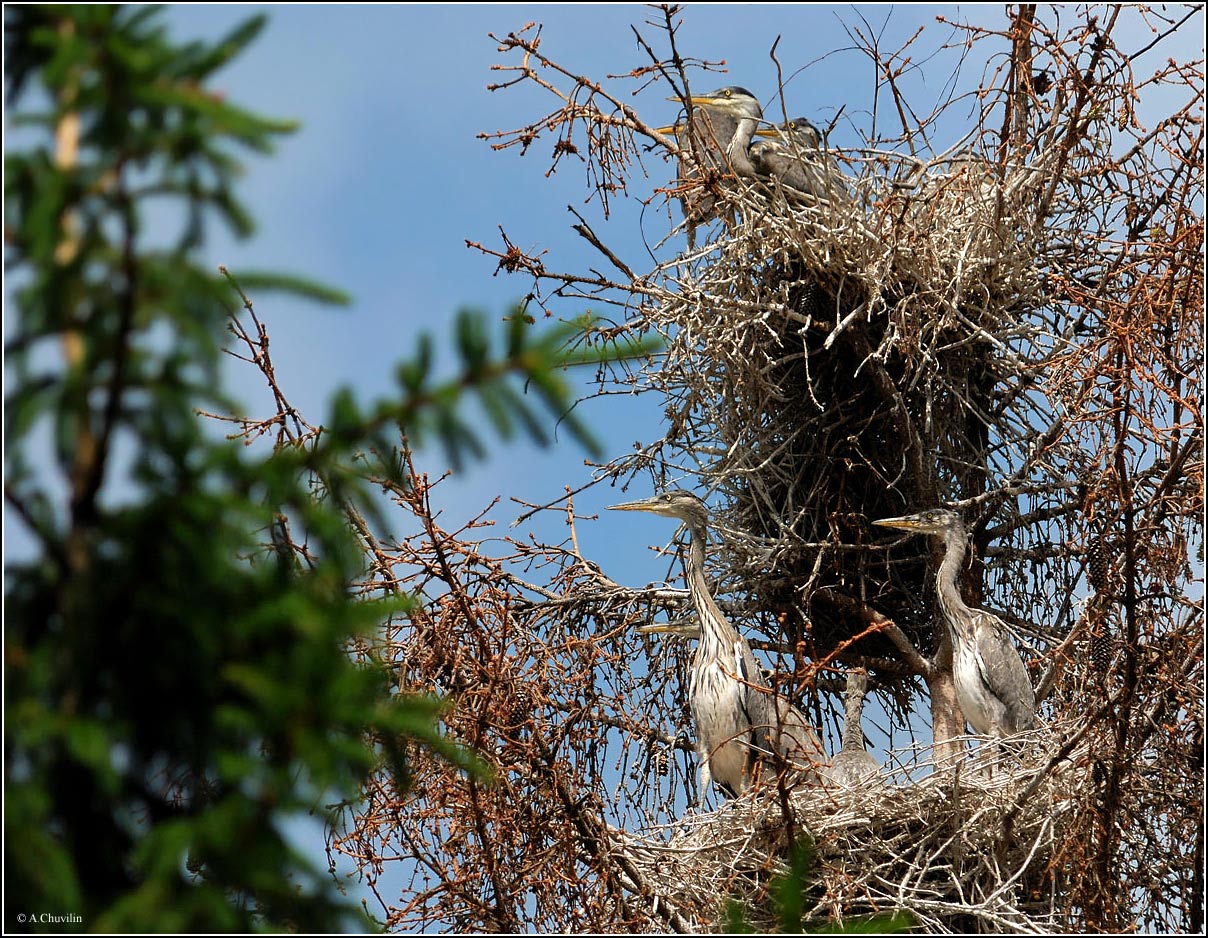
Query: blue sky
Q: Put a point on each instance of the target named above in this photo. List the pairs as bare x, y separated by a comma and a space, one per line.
386, 180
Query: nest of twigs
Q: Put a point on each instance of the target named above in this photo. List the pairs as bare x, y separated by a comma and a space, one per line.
962, 849
843, 359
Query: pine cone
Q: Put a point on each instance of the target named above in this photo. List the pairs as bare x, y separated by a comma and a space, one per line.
1096, 566
813, 301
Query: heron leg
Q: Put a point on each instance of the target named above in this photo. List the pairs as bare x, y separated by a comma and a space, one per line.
705, 775
993, 755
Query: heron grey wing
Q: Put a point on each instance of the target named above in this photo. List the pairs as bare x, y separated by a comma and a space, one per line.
1004, 671
854, 767
799, 174
748, 667
696, 205
795, 737
777, 726
754, 705
811, 172
713, 131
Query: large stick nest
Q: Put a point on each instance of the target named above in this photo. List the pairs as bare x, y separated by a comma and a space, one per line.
832, 355
965, 850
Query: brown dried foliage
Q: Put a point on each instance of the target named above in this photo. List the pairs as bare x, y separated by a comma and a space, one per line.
1010, 323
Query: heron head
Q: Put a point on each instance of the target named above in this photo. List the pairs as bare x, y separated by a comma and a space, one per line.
931, 521
857, 682
732, 100
675, 503
800, 131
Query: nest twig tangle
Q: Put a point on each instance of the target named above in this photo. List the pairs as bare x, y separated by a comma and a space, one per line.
1004, 317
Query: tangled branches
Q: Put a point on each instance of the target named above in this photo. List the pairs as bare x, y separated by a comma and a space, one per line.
1009, 323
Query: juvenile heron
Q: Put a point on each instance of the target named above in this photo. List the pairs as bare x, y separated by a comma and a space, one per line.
738, 717
724, 123
992, 685
796, 158
853, 765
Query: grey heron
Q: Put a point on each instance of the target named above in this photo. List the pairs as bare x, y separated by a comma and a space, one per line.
992, 685
853, 765
738, 717
724, 123
798, 160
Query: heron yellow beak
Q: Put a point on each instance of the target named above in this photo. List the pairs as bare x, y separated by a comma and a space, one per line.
655, 505
906, 523
702, 100
671, 628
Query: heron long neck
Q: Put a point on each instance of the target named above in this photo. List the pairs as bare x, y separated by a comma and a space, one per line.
717, 635
853, 732
740, 143
956, 613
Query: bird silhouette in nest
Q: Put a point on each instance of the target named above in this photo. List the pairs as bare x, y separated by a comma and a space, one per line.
723, 125
992, 684
740, 721
794, 156
853, 766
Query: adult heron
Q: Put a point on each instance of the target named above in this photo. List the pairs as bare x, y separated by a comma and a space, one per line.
853, 765
739, 719
793, 154
992, 685
724, 123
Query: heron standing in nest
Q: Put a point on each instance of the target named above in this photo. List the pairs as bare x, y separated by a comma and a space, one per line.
739, 719
853, 766
992, 685
793, 155
724, 123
